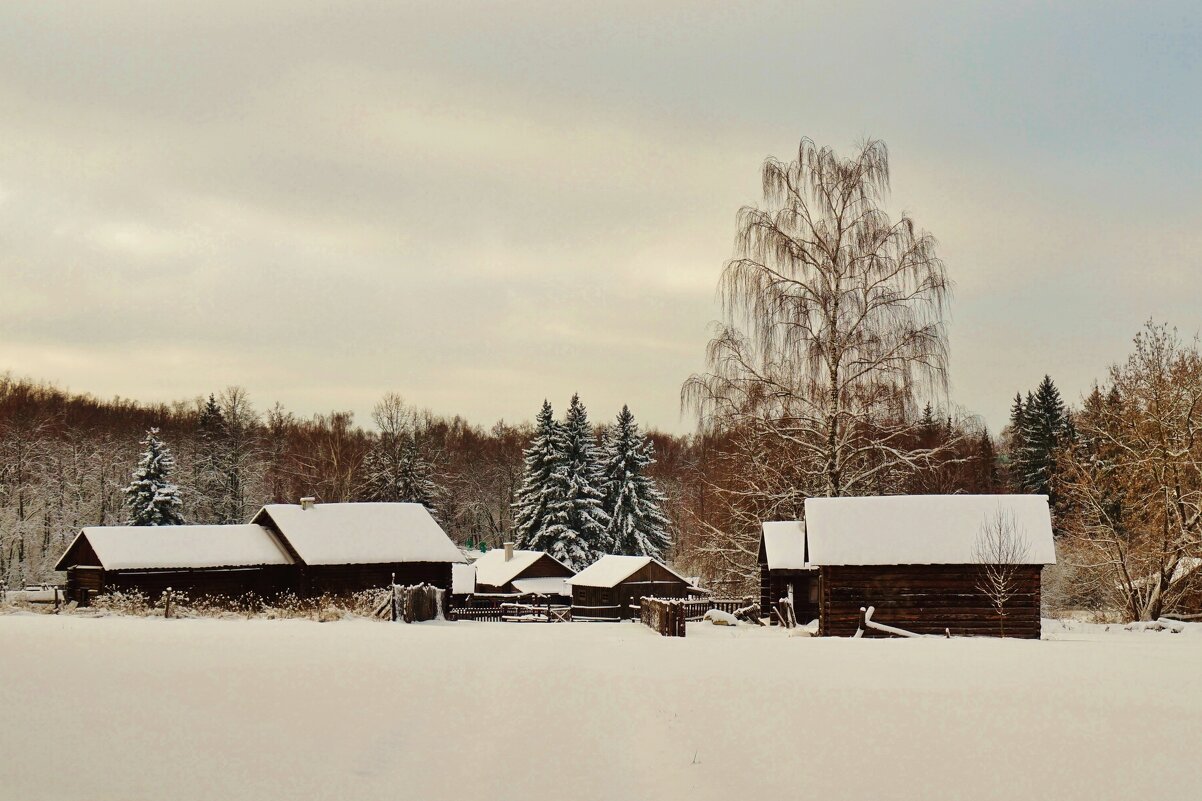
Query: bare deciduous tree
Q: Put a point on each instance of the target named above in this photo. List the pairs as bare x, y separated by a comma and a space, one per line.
999, 550
1133, 482
833, 327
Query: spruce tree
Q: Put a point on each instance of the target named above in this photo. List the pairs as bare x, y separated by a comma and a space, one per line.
209, 478
542, 457
987, 462
398, 472
638, 526
151, 497
1045, 426
577, 527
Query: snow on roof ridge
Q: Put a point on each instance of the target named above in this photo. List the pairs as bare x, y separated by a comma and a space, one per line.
919, 529
183, 546
785, 544
608, 570
493, 570
362, 533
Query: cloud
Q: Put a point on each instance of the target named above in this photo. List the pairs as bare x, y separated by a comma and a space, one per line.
481, 209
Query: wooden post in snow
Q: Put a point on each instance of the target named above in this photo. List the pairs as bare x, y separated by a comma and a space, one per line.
392, 589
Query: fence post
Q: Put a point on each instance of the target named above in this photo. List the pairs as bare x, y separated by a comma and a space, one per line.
392, 589
167, 608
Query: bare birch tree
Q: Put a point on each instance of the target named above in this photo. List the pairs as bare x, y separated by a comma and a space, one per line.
999, 550
1133, 482
833, 327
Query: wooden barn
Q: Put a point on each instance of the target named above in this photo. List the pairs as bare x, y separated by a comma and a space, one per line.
518, 572
606, 589
785, 572
922, 562
210, 560
305, 548
347, 547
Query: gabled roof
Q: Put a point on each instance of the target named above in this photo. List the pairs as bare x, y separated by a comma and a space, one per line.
612, 570
493, 570
921, 529
164, 547
554, 585
361, 533
784, 544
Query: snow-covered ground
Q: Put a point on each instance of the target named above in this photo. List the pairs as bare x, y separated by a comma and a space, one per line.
139, 708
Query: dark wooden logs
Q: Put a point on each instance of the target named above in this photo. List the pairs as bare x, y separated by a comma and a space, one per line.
927, 599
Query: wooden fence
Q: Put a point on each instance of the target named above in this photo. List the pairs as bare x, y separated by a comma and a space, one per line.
515, 612
667, 616
610, 613
695, 610
412, 604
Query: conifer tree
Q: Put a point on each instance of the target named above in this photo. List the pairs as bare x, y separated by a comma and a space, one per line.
1041, 425
151, 497
638, 526
208, 480
987, 464
578, 527
541, 459
398, 472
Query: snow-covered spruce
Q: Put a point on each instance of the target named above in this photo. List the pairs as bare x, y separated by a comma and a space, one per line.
577, 531
152, 498
542, 458
398, 472
638, 526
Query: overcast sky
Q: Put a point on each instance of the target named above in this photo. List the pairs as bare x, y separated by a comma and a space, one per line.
479, 206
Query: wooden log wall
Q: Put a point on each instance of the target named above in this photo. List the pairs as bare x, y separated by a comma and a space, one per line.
926, 599
265, 581
340, 579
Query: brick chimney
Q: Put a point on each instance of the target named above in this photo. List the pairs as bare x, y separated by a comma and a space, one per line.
307, 502
508, 551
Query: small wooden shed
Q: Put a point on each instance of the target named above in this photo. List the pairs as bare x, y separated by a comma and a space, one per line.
606, 589
785, 572
917, 559
518, 572
201, 560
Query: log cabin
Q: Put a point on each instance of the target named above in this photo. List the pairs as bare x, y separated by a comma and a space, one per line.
347, 547
520, 572
201, 560
307, 549
785, 572
923, 562
606, 589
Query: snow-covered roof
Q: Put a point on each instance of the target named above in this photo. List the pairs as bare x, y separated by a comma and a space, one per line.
552, 585
362, 533
921, 529
463, 579
161, 547
612, 570
493, 570
785, 545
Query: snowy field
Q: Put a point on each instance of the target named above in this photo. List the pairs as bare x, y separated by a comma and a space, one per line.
135, 708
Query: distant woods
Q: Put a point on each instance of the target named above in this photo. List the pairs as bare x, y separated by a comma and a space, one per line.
67, 460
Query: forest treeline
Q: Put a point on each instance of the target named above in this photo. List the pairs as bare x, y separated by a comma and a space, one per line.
65, 460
